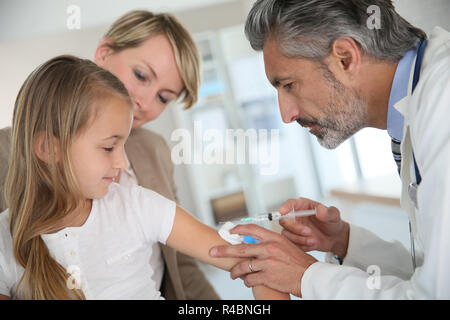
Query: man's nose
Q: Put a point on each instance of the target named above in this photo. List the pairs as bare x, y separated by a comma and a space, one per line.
288, 109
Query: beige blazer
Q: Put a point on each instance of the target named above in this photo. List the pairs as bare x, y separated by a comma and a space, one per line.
149, 156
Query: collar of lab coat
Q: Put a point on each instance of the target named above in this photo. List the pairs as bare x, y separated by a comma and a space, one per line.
399, 90
436, 39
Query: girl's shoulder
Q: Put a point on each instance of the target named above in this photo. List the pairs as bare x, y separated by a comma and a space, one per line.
120, 192
130, 198
133, 209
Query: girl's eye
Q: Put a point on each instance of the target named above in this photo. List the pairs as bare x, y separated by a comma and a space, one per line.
162, 99
109, 149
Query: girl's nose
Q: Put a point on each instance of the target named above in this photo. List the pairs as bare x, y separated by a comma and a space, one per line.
121, 160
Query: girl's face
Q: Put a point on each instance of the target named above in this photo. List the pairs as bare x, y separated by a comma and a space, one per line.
149, 72
97, 154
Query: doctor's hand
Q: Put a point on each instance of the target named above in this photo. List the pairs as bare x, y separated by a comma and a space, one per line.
324, 231
275, 262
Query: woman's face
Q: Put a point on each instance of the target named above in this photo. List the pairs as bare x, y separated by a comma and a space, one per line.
149, 72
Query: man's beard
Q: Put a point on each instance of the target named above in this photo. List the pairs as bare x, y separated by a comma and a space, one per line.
345, 114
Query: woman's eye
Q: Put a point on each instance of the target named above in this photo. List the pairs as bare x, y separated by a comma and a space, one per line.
139, 75
109, 149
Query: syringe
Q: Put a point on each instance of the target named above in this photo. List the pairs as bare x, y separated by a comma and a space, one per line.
275, 215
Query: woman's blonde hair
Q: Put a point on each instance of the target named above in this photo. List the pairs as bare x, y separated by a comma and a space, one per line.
135, 27
55, 102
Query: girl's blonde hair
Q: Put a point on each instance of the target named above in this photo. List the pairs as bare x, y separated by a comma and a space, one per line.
56, 103
135, 27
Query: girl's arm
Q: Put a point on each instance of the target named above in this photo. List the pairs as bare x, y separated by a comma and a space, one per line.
194, 238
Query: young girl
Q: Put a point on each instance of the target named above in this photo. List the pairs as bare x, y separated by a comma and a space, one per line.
157, 60
70, 232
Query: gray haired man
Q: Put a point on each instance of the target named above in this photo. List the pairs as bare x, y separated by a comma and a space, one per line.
337, 72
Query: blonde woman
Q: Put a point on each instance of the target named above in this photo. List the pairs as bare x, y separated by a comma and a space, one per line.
70, 231
158, 62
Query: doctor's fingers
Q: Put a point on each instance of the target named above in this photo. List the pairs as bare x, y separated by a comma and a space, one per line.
297, 204
237, 251
300, 226
305, 226
263, 250
245, 267
275, 274
328, 215
258, 266
304, 242
257, 232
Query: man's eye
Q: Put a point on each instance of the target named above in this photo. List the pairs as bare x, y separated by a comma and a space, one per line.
288, 86
109, 149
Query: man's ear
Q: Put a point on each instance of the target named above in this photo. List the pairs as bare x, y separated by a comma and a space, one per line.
346, 56
102, 52
41, 147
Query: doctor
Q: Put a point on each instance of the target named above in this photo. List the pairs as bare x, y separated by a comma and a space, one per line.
337, 71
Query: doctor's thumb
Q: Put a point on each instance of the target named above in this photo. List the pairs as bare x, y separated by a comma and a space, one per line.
325, 214
333, 214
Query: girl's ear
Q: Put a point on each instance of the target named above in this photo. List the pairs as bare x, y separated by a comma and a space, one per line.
102, 52
41, 147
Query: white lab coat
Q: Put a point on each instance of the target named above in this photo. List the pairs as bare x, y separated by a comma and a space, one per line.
427, 132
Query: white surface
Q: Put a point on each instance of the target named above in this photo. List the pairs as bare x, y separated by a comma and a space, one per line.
42, 17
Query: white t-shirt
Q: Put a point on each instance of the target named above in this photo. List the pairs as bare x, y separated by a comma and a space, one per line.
127, 178
110, 253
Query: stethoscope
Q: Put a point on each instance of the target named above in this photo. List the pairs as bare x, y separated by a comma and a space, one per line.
413, 250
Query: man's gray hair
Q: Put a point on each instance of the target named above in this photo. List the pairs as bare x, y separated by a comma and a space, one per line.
308, 28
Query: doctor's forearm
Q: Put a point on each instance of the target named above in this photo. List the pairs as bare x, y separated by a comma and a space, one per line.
366, 248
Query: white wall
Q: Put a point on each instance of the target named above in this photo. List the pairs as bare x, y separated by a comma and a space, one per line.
25, 18
19, 58
425, 13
